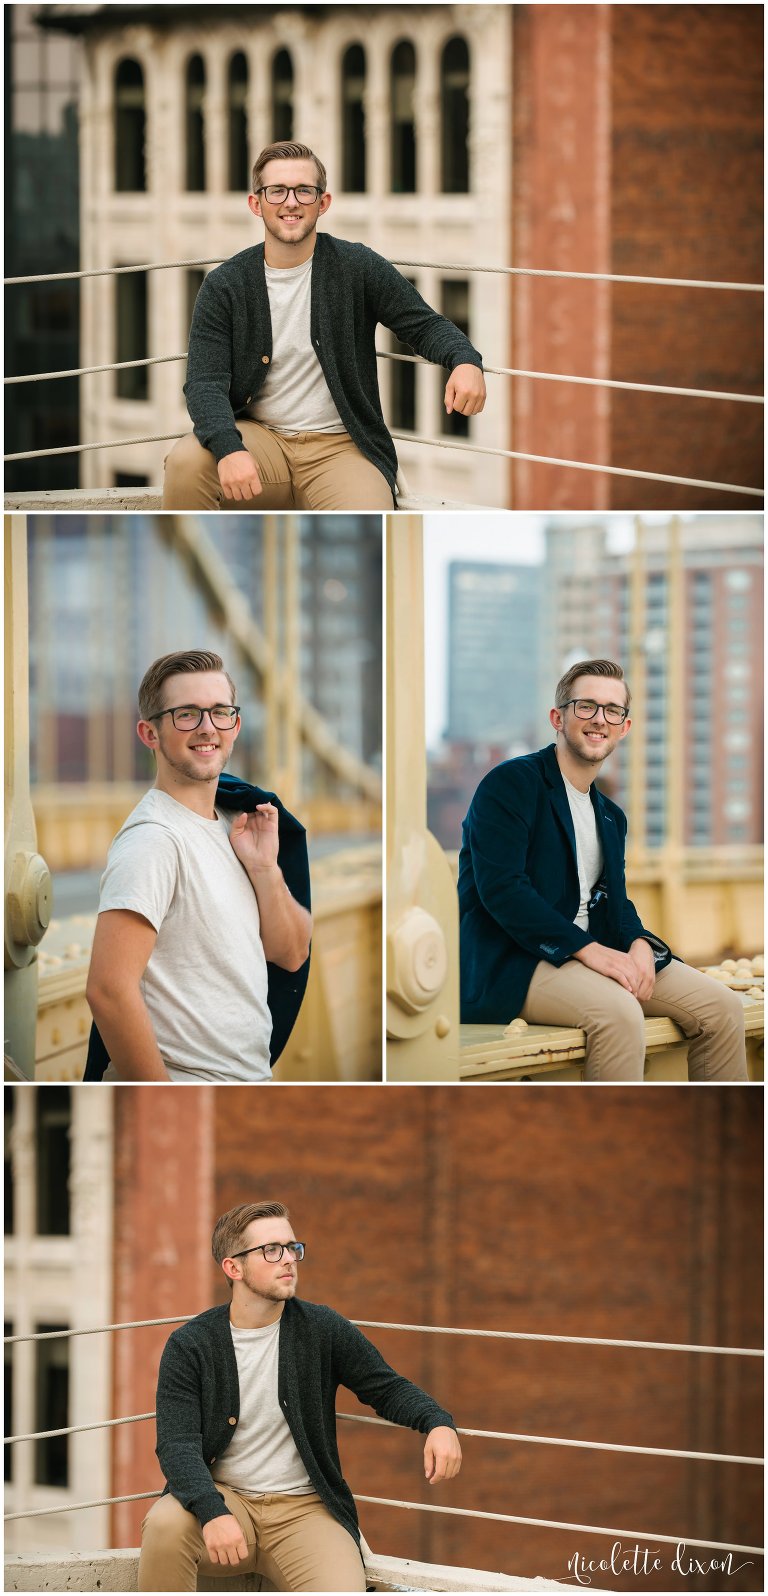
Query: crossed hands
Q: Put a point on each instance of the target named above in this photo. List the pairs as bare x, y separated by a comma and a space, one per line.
635, 970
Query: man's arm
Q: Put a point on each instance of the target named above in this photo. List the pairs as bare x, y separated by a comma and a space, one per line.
122, 944
180, 1434
400, 307
285, 926
499, 825
360, 1367
207, 389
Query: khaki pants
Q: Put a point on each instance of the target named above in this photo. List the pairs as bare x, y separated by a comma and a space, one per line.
708, 1013
311, 471
293, 1540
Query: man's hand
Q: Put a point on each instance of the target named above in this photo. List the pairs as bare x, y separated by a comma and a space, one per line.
619, 967
239, 476
465, 391
254, 838
641, 954
442, 1455
224, 1540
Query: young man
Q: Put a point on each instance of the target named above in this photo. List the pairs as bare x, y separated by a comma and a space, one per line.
246, 1425
193, 902
282, 384
547, 929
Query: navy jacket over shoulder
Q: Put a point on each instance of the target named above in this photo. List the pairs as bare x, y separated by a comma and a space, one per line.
353, 289
198, 1401
285, 988
519, 886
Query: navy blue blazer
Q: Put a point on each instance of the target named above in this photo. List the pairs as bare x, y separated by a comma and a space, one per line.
519, 886
285, 988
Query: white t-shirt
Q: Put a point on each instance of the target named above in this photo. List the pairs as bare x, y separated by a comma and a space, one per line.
589, 854
205, 984
295, 396
262, 1458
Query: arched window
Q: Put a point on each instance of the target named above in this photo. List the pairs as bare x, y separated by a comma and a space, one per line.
282, 98
238, 177
402, 94
195, 126
454, 117
353, 120
130, 128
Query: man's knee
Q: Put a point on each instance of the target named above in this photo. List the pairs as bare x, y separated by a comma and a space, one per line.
727, 1010
187, 457
168, 1523
622, 1023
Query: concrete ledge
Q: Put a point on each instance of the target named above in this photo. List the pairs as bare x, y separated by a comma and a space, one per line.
149, 498
118, 1570
519, 1052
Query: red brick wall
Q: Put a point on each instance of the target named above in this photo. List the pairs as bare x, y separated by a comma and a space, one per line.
637, 149
163, 1196
686, 202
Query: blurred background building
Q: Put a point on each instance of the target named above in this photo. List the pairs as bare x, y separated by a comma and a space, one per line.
518, 627
294, 606
586, 1230
583, 139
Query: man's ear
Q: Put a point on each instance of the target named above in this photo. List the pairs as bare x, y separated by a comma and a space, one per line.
146, 732
231, 1268
324, 204
556, 719
254, 204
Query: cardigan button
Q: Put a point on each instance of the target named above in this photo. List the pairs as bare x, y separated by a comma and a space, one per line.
231, 1421
265, 360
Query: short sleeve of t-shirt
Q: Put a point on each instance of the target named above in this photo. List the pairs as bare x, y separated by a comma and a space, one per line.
145, 871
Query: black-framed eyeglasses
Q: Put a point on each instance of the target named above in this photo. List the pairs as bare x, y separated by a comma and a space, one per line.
187, 717
586, 709
303, 193
273, 1250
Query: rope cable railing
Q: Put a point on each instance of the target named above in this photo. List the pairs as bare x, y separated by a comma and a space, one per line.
431, 1507
486, 1435
420, 1329
425, 265
436, 443
418, 360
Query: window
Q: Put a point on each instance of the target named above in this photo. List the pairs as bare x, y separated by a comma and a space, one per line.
131, 334
195, 125
454, 117
238, 176
130, 479
52, 1407
130, 129
52, 1158
282, 97
454, 303
402, 92
353, 120
402, 390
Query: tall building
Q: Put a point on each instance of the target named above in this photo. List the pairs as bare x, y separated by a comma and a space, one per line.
408, 112
493, 638
711, 721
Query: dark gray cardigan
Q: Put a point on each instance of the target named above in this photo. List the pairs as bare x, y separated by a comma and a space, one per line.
198, 1401
353, 288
